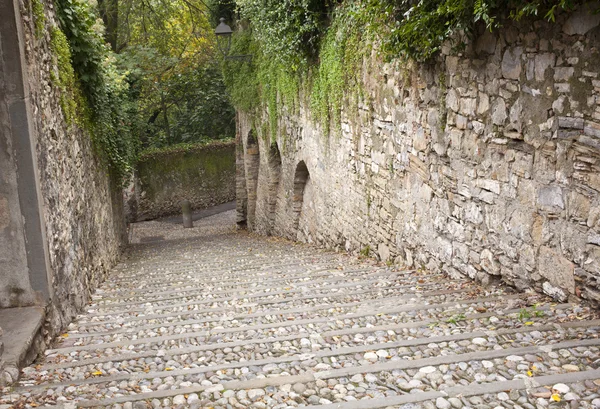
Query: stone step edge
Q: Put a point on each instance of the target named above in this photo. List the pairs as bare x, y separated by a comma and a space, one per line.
180, 314
324, 272
259, 267
203, 301
132, 330
319, 354
232, 293
233, 344
329, 274
163, 338
473, 389
344, 372
258, 302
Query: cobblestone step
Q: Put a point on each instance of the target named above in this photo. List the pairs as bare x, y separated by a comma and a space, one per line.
204, 322
419, 347
405, 313
250, 293
262, 302
385, 375
232, 280
212, 317
190, 345
217, 286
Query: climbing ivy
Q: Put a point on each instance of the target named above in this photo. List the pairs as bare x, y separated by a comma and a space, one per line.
93, 94
39, 18
65, 80
318, 48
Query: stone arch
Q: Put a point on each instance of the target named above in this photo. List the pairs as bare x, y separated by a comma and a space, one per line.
252, 162
274, 162
301, 178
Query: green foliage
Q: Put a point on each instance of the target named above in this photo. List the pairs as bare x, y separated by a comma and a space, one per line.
167, 52
260, 81
340, 66
527, 313
65, 80
456, 318
289, 31
39, 18
104, 105
419, 29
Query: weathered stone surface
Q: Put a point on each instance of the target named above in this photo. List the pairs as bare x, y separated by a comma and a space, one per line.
550, 197
78, 208
205, 176
511, 63
580, 22
557, 269
510, 164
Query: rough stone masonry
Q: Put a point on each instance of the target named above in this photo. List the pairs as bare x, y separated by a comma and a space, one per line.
484, 164
61, 218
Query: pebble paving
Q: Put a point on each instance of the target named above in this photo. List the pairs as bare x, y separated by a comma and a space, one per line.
213, 318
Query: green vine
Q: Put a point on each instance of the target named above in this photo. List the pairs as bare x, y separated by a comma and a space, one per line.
98, 99
65, 80
319, 52
39, 17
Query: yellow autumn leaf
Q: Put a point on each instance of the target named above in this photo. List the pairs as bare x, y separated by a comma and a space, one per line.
529, 323
534, 368
529, 373
97, 373
168, 369
555, 397
65, 335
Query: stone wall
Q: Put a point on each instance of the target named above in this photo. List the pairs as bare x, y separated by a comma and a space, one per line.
81, 208
204, 175
483, 164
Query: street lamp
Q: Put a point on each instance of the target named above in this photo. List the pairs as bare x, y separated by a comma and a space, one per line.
224, 33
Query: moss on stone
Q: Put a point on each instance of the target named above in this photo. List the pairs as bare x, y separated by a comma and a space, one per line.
186, 170
39, 17
71, 100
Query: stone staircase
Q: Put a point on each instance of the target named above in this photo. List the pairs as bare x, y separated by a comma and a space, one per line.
211, 318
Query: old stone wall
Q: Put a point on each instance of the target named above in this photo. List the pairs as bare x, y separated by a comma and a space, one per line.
82, 217
204, 175
484, 164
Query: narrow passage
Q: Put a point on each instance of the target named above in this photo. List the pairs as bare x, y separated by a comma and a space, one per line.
211, 317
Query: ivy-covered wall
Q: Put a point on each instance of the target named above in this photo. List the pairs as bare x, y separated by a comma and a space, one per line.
202, 174
481, 162
79, 201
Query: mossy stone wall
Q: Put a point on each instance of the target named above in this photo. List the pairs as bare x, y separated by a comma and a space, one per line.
204, 175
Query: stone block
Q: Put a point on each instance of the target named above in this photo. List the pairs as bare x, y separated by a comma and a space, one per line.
488, 262
551, 197
489, 185
591, 128
499, 114
486, 43
383, 251
563, 73
511, 63
558, 270
580, 22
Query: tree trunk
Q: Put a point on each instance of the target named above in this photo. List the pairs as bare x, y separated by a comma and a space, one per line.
166, 116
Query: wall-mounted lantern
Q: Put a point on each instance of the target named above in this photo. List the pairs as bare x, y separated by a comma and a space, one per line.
224, 33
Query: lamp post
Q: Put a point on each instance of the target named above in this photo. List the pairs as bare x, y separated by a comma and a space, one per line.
224, 33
